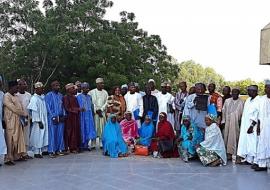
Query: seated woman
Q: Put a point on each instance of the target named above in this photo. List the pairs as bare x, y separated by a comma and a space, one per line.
212, 150
113, 142
164, 143
146, 132
190, 136
129, 128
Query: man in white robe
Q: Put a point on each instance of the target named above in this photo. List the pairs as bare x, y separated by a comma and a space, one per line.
3, 147
166, 103
134, 103
263, 149
38, 112
99, 99
247, 146
24, 98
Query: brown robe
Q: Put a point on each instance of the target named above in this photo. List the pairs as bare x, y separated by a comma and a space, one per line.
14, 132
231, 116
72, 123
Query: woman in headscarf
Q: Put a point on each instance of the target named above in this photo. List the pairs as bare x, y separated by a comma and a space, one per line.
190, 136
113, 142
146, 131
116, 104
165, 139
129, 128
212, 150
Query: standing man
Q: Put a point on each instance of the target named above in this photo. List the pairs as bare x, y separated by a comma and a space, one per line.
24, 98
72, 122
247, 146
134, 103
215, 99
38, 113
150, 106
166, 103
78, 87
152, 85
124, 89
56, 119
263, 131
196, 106
226, 94
13, 113
179, 103
87, 123
99, 99
231, 120
3, 147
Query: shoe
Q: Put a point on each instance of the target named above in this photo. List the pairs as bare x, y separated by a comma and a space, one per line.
52, 155
60, 153
45, 153
259, 169
38, 156
9, 163
21, 159
254, 166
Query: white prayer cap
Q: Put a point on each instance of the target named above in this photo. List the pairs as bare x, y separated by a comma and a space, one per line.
267, 82
136, 84
38, 85
69, 85
77, 83
151, 80
99, 80
164, 84
124, 86
168, 84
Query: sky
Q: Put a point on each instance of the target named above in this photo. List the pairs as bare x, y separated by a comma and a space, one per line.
222, 34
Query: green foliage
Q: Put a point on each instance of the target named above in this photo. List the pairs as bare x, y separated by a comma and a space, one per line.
72, 41
192, 73
243, 84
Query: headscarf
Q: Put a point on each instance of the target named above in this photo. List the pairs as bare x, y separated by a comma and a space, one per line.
129, 128
212, 117
165, 130
146, 132
113, 142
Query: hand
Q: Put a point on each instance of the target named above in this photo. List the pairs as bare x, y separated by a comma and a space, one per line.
99, 112
250, 130
40, 124
55, 120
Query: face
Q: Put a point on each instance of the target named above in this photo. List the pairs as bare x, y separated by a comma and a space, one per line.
267, 90
186, 122
147, 120
79, 88
161, 118
124, 91
14, 89
235, 94
22, 85
100, 85
117, 91
169, 89
72, 91
199, 89
163, 89
183, 86
208, 121
211, 88
137, 89
147, 91
151, 85
128, 116
252, 93
55, 86
192, 90
226, 91
113, 119
132, 89
39, 91
85, 90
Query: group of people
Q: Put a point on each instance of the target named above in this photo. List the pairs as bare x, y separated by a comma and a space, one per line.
190, 124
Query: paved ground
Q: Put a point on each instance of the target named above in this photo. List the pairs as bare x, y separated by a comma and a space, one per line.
94, 171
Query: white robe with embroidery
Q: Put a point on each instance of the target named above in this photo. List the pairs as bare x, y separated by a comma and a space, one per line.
38, 112
247, 146
263, 149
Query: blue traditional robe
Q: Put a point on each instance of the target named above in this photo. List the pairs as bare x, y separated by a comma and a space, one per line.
146, 132
55, 109
87, 123
197, 138
113, 142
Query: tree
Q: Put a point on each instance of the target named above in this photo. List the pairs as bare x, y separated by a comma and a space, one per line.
72, 41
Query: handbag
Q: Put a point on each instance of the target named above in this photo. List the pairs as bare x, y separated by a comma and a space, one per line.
141, 150
165, 145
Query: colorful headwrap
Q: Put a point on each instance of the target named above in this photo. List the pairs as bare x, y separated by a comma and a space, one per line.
186, 117
212, 117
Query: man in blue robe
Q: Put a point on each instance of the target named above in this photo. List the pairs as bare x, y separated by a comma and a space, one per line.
56, 119
88, 131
